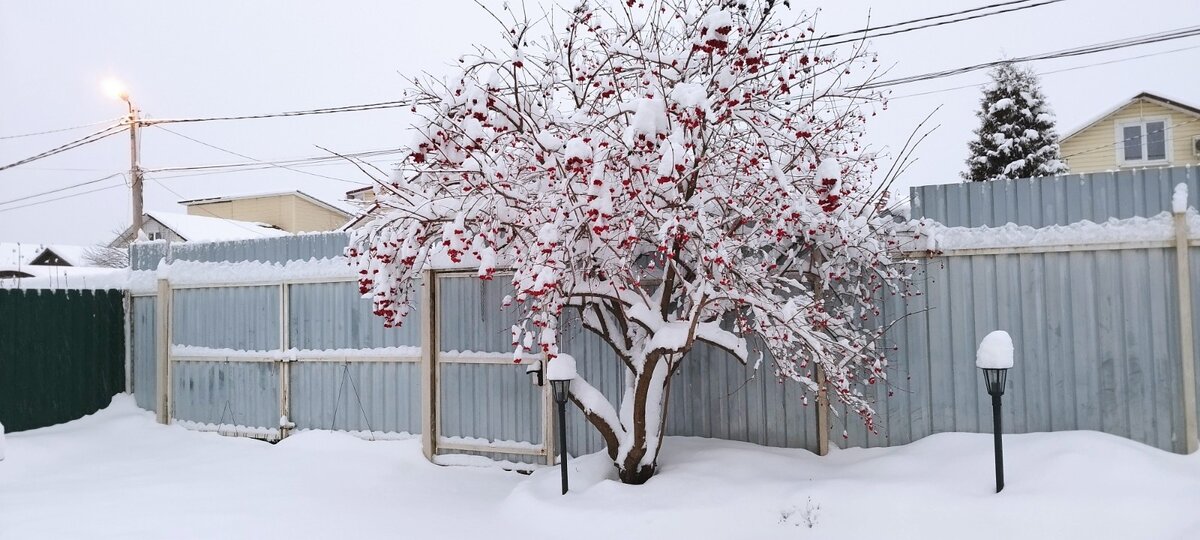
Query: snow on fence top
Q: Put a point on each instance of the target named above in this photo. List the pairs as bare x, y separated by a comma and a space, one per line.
1179, 200
937, 237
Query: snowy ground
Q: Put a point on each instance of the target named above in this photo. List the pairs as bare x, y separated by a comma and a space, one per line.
117, 474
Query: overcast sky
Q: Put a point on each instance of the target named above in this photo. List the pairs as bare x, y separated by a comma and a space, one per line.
217, 58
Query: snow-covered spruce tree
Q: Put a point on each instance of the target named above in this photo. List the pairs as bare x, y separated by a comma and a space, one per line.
1016, 136
670, 172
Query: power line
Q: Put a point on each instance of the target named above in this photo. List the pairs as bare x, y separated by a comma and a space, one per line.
328, 110
290, 162
59, 130
2, 210
904, 23
61, 189
924, 26
1052, 72
1169, 35
109, 131
276, 165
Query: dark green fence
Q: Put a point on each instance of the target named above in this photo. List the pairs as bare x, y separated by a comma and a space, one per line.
62, 355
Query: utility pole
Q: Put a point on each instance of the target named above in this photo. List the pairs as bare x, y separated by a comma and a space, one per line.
135, 169
116, 89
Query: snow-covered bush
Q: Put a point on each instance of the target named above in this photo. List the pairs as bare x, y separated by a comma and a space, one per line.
1016, 136
672, 172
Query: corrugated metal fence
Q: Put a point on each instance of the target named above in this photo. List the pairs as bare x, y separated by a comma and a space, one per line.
62, 354
1097, 336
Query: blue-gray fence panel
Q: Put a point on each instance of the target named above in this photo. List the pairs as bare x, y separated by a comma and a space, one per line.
1039, 202
143, 340
335, 316
598, 365
229, 393
356, 396
1096, 347
301, 247
712, 395
489, 401
244, 318
471, 317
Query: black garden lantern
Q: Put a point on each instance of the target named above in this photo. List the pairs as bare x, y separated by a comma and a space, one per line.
995, 358
562, 390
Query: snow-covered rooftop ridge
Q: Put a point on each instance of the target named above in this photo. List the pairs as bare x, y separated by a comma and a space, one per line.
263, 194
68, 277
933, 236
203, 228
72, 255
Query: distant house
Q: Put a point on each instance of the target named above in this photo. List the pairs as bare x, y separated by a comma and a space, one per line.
290, 211
62, 255
1145, 131
363, 197
55, 264
174, 227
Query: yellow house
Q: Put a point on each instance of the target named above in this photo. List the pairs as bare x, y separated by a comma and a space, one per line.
1146, 131
291, 211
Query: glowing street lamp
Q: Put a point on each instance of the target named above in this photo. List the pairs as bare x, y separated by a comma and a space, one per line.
115, 89
995, 358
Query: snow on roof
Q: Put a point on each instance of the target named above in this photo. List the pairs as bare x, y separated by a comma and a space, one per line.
1172, 103
202, 228
68, 277
262, 195
14, 254
72, 255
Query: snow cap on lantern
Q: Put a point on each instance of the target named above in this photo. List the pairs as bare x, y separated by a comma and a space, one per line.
561, 368
995, 351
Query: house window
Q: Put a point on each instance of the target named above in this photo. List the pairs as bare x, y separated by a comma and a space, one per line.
1143, 142
154, 235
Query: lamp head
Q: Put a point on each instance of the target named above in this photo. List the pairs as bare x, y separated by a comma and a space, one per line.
114, 88
994, 379
562, 390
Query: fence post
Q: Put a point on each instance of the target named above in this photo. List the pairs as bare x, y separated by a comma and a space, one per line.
1186, 338
822, 414
429, 368
162, 342
285, 370
549, 442
127, 304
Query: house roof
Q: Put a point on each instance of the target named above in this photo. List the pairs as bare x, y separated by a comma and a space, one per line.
209, 229
1147, 96
353, 192
360, 216
298, 193
55, 277
72, 255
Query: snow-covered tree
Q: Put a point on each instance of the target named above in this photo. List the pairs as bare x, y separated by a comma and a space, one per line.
1016, 136
668, 172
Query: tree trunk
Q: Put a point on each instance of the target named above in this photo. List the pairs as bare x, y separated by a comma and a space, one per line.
638, 457
634, 441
